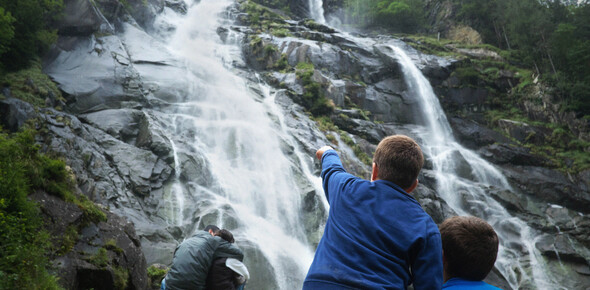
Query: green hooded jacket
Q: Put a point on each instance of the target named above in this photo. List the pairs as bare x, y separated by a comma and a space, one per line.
192, 260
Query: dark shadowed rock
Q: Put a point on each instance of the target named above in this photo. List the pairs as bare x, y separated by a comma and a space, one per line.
14, 113
82, 18
510, 200
474, 135
76, 267
559, 247
177, 5
507, 154
549, 185
435, 206
524, 132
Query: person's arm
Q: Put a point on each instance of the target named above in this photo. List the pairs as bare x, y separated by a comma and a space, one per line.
427, 268
334, 176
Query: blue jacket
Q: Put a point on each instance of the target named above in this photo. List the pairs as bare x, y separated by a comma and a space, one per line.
462, 284
376, 237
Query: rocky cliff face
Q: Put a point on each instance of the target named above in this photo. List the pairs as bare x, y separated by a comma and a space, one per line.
114, 133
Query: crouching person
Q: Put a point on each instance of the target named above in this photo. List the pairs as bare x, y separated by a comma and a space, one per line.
227, 273
470, 247
193, 258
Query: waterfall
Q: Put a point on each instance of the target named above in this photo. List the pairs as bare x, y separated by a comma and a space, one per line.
468, 196
239, 137
316, 11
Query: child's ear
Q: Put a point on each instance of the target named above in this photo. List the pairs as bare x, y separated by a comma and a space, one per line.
375, 172
412, 187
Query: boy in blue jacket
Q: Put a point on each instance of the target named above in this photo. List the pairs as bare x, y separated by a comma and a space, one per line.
470, 248
377, 235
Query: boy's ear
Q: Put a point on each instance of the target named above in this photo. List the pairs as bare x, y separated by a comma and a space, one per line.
412, 187
375, 172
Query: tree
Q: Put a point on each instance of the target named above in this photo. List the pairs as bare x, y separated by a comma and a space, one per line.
31, 26
6, 30
397, 15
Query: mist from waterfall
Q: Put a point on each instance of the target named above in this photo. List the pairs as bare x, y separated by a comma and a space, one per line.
239, 137
316, 10
468, 195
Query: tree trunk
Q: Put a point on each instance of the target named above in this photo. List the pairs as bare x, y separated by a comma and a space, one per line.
506, 37
548, 54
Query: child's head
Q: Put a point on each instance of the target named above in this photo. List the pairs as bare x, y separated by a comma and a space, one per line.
212, 229
399, 159
226, 235
470, 247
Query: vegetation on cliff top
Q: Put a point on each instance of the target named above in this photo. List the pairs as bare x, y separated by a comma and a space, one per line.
550, 38
25, 30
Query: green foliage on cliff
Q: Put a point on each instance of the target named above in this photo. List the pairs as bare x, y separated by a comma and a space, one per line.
550, 37
561, 148
397, 15
27, 24
155, 275
31, 85
277, 4
313, 96
24, 243
264, 19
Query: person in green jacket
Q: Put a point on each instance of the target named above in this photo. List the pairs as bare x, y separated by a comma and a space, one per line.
193, 258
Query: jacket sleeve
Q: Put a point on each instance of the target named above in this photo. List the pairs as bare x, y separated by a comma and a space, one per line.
227, 250
427, 268
334, 177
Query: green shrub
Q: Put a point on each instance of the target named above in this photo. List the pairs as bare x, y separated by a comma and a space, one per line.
31, 85
468, 75
356, 149
92, 213
325, 124
24, 242
280, 32
313, 96
121, 277
69, 240
100, 259
156, 273
112, 245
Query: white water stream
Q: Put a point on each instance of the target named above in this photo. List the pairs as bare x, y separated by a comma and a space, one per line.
316, 9
468, 196
239, 135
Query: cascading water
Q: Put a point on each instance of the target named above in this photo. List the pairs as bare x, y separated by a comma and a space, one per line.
316, 10
467, 196
239, 138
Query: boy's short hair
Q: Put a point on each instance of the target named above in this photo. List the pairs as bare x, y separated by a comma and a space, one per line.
399, 159
226, 235
470, 247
